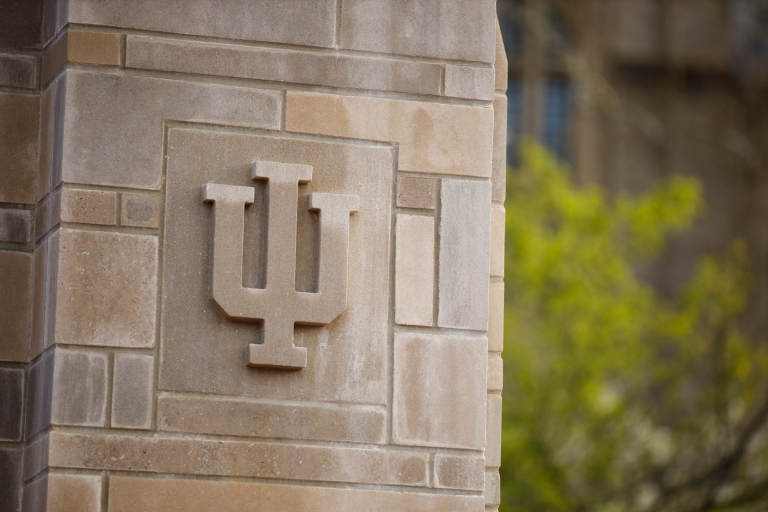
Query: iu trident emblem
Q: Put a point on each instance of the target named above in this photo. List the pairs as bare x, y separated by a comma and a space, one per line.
279, 305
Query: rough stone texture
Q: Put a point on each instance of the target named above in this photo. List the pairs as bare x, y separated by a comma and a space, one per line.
132, 385
20, 24
107, 289
282, 421
433, 137
47, 215
16, 300
74, 493
11, 404
19, 147
131, 494
39, 386
418, 193
139, 211
333, 70
498, 220
471, 82
106, 137
459, 472
79, 388
446, 29
499, 175
495, 373
493, 432
304, 22
88, 206
496, 317
465, 227
346, 358
93, 47
10, 479
439, 391
36, 457
492, 488
18, 70
158, 454
16, 225
414, 269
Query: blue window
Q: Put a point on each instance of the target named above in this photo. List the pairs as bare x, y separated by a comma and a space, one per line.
557, 113
514, 118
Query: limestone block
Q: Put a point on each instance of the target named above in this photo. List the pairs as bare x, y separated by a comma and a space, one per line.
439, 391
492, 488
418, 193
88, 206
10, 479
496, 317
453, 29
495, 373
471, 82
105, 137
132, 494
107, 289
493, 434
16, 300
164, 455
47, 215
254, 419
139, 211
346, 359
459, 472
36, 457
19, 147
465, 226
500, 64
414, 269
73, 493
18, 70
305, 23
39, 387
499, 176
333, 70
11, 403
433, 137
16, 225
132, 385
79, 388
498, 220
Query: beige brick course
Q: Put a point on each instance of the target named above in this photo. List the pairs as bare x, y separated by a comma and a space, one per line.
73, 493
18, 70
88, 206
79, 388
132, 386
433, 137
500, 63
495, 373
498, 219
107, 289
459, 472
414, 269
499, 175
493, 432
439, 391
496, 317
19, 147
139, 211
130, 494
16, 300
420, 193
492, 488
471, 82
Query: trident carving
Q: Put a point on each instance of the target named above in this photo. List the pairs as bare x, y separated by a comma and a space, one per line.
279, 305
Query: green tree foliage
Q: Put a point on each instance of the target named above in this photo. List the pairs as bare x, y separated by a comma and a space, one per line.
617, 398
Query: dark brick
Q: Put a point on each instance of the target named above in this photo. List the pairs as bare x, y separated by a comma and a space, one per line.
11, 403
21, 23
39, 387
10, 479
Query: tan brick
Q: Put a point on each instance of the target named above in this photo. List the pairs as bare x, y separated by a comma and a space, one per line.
139, 211
492, 488
130, 494
107, 289
495, 373
16, 301
79, 388
500, 64
333, 70
493, 432
18, 70
496, 318
418, 193
159, 454
107, 137
465, 232
471, 82
498, 219
439, 391
74, 493
309, 24
93, 47
16, 225
414, 269
452, 29
88, 206
499, 175
433, 137
253, 419
459, 472
132, 386
19, 147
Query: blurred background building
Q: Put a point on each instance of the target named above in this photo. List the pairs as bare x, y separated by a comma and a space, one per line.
632, 91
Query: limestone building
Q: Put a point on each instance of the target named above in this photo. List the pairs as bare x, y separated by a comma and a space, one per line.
251, 255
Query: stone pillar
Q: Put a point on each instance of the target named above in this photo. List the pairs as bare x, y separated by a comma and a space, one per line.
250, 249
